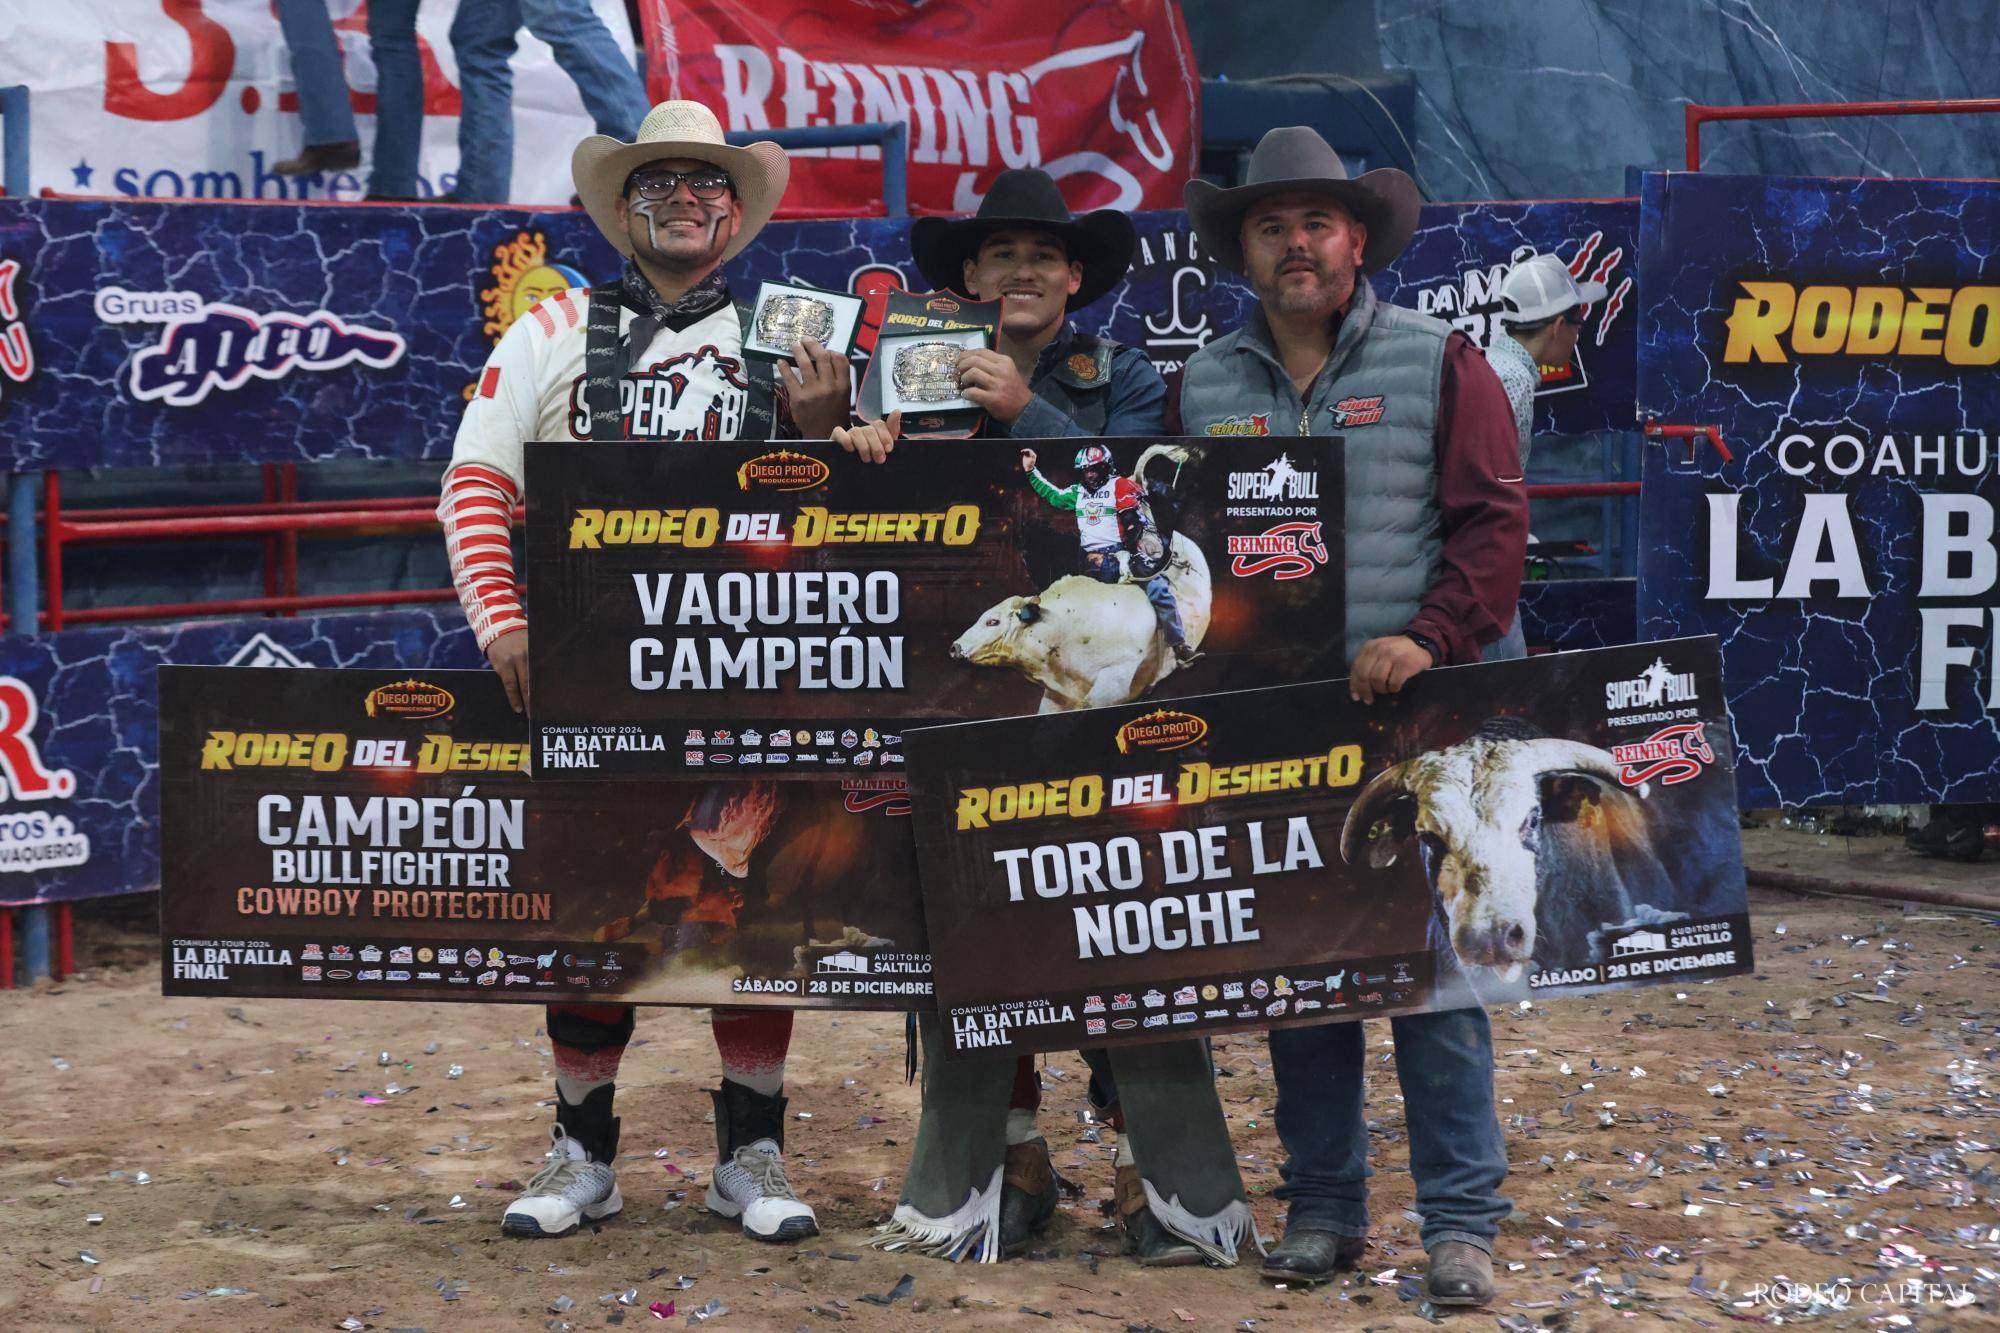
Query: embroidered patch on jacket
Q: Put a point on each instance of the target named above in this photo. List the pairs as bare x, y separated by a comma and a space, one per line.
1083, 365
1357, 411
1259, 424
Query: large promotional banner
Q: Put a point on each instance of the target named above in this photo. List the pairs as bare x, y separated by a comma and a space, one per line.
1843, 336
79, 757
792, 609
165, 99
1105, 97
130, 335
1550, 826
374, 835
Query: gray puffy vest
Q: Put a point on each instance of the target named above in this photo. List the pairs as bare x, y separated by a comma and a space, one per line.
1387, 361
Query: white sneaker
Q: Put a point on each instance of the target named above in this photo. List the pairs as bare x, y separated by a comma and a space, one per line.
569, 1190
752, 1185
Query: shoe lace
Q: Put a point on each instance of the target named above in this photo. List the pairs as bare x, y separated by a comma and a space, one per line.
557, 1175
767, 1171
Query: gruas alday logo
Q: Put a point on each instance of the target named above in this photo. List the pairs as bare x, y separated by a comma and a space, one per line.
211, 345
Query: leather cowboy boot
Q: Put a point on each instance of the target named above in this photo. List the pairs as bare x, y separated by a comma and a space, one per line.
1311, 1257
1460, 1274
1152, 1244
1027, 1194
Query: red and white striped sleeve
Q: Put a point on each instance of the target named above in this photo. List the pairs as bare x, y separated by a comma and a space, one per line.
484, 481
477, 512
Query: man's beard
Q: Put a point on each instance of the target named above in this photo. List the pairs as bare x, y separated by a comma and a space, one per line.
1322, 298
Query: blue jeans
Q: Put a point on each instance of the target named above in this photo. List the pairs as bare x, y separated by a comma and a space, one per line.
399, 97
482, 35
1508, 646
1103, 566
323, 106
1444, 1062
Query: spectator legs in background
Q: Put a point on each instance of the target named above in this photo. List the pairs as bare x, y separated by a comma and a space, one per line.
331, 143
399, 98
482, 36
590, 55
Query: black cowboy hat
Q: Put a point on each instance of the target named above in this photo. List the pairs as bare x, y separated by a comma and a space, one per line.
1295, 160
1027, 199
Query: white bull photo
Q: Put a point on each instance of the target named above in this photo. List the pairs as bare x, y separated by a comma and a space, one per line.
1090, 644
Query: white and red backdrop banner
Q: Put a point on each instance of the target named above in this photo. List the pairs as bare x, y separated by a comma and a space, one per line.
1102, 94
195, 98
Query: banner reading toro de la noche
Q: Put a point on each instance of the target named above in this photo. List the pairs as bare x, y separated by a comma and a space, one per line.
790, 611
1549, 826
367, 834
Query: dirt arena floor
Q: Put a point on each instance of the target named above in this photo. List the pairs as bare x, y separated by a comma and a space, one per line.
188, 1164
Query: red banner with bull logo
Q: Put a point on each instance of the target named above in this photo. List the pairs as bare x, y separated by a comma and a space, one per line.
1106, 101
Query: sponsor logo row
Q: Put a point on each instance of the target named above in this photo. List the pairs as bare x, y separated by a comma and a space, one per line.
1230, 1001
474, 965
863, 748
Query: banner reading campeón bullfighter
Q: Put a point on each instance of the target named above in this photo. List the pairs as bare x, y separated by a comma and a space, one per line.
1549, 826
1843, 336
361, 834
791, 610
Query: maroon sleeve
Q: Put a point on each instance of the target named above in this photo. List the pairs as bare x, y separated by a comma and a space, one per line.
1484, 506
1173, 425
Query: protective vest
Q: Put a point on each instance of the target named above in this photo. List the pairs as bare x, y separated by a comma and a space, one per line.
1379, 390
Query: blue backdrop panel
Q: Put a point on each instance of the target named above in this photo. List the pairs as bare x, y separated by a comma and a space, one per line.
182, 333
95, 692
1825, 687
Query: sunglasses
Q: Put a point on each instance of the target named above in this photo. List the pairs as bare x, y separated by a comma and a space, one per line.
707, 183
1573, 317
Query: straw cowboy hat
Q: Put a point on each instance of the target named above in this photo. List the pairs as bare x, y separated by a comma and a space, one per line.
1026, 199
1293, 159
601, 164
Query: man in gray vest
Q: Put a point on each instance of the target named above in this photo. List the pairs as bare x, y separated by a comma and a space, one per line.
1436, 529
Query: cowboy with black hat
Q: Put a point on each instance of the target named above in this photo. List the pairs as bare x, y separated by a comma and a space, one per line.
1046, 378
1436, 527
980, 1181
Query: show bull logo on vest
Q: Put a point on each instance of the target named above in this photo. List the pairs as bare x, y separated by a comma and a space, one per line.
1841, 336
1306, 857
798, 596
33, 835
342, 816
209, 346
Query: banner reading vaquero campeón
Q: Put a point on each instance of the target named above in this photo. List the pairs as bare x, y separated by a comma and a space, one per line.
364, 834
1555, 825
787, 610
1844, 337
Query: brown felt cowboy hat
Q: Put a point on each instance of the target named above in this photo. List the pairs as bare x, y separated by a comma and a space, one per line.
1293, 159
601, 164
1026, 199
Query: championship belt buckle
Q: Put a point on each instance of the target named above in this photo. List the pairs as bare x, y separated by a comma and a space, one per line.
927, 372
787, 319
